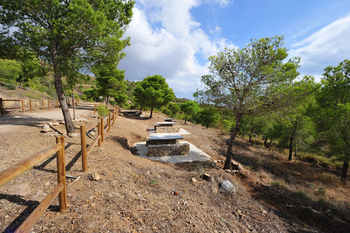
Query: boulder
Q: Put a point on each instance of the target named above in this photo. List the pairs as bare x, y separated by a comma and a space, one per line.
228, 187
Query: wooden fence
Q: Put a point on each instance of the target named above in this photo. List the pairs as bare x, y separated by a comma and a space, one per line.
15, 171
59, 148
41, 105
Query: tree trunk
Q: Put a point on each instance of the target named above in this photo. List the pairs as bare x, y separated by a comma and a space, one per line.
290, 149
64, 107
230, 143
73, 105
250, 135
150, 116
185, 120
291, 140
344, 170
21, 84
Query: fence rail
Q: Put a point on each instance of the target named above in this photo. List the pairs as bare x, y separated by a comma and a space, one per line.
31, 106
60, 189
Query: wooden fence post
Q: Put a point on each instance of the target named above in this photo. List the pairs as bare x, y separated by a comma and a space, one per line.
22, 105
1, 106
113, 117
48, 104
83, 147
102, 130
42, 104
94, 109
61, 175
30, 105
99, 133
57, 104
109, 122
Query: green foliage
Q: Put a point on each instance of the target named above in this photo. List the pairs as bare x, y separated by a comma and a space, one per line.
154, 181
166, 111
68, 35
334, 110
189, 108
121, 99
11, 86
208, 117
90, 94
10, 69
278, 183
174, 108
251, 81
153, 92
102, 110
110, 81
321, 191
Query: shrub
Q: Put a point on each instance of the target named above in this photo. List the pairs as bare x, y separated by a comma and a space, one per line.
102, 110
11, 86
166, 111
278, 183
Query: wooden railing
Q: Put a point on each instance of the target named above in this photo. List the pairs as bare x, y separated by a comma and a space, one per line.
3, 107
60, 190
101, 129
103, 125
41, 104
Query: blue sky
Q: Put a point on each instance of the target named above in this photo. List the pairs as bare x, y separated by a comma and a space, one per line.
174, 38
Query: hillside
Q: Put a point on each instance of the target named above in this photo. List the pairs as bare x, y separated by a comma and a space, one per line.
137, 195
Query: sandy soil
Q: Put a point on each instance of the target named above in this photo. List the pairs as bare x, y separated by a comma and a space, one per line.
136, 194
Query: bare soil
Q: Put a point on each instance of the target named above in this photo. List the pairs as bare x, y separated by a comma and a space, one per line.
140, 195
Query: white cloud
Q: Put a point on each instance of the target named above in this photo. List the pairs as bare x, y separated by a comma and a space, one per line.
166, 40
217, 30
222, 3
328, 46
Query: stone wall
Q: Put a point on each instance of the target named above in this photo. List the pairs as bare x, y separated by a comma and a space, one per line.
167, 129
168, 149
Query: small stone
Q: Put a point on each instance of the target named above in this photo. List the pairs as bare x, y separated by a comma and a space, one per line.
50, 123
213, 164
55, 123
227, 186
194, 180
94, 176
236, 166
184, 203
73, 135
47, 183
46, 126
206, 177
264, 211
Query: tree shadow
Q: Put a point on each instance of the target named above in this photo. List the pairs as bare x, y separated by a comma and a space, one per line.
31, 205
296, 207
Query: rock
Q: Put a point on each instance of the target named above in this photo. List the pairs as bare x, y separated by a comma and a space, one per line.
213, 164
227, 186
94, 176
236, 166
92, 133
46, 126
73, 135
206, 177
52, 134
55, 124
47, 183
194, 180
50, 123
